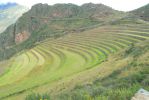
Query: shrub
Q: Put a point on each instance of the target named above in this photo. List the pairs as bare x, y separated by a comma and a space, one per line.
34, 96
145, 82
77, 96
133, 50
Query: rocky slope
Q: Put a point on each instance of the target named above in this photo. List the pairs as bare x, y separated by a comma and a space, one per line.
141, 95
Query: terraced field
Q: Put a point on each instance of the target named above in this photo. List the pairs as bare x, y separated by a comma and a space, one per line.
61, 59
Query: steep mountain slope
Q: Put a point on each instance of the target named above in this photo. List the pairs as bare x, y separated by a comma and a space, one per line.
142, 12
9, 13
44, 21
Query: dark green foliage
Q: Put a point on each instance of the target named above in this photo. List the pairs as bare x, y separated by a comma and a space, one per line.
145, 81
77, 96
132, 50
34, 96
135, 78
130, 19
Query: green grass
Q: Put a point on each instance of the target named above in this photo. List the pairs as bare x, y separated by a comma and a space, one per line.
122, 83
60, 64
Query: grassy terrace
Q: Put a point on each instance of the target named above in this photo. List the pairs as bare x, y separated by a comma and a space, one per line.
53, 64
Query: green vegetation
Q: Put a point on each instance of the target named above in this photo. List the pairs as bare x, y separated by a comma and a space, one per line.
54, 63
142, 12
37, 97
44, 21
121, 84
74, 56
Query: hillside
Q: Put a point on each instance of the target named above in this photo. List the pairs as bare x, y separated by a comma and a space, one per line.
58, 65
70, 52
130, 72
44, 21
142, 12
6, 16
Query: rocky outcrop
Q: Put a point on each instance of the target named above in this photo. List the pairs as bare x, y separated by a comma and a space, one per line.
20, 37
141, 95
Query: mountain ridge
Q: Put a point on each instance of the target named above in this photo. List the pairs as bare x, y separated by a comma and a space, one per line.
44, 21
142, 12
95, 13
